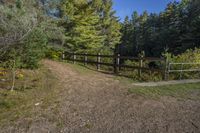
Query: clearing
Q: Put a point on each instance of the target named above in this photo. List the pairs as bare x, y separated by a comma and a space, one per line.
72, 99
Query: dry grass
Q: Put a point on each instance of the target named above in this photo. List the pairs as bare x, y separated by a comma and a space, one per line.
37, 86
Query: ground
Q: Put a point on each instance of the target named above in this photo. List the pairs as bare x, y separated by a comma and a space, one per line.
88, 101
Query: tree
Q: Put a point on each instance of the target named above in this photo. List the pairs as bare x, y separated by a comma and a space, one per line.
176, 28
90, 25
110, 25
82, 26
126, 39
24, 34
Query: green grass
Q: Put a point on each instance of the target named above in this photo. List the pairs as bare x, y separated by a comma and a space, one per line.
185, 91
80, 68
37, 86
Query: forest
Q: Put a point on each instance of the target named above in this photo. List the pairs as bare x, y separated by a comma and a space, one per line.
75, 66
34, 29
176, 29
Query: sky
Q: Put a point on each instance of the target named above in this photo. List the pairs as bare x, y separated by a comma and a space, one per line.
126, 7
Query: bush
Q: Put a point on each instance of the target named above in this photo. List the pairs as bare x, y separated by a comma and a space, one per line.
24, 34
190, 56
54, 53
34, 49
28, 53
131, 63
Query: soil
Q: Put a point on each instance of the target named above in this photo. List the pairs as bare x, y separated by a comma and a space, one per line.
99, 103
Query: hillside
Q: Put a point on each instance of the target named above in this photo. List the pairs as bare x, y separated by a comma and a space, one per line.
71, 98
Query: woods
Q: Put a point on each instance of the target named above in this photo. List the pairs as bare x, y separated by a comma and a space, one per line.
35, 29
175, 30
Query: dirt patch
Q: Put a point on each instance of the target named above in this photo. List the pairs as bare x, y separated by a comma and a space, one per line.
95, 102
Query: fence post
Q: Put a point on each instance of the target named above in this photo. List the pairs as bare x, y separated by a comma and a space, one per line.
181, 73
166, 75
74, 58
98, 61
118, 62
63, 55
85, 59
140, 65
114, 63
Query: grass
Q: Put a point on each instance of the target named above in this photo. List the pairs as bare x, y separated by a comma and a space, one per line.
79, 67
37, 86
184, 91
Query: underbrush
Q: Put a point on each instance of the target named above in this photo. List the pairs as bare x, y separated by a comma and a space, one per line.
36, 86
191, 58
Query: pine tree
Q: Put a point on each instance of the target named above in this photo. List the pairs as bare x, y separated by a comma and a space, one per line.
176, 28
91, 25
110, 26
83, 26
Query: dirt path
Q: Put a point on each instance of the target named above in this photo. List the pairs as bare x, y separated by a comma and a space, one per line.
96, 103
172, 82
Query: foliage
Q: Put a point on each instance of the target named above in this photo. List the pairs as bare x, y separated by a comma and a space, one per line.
90, 25
30, 89
19, 4
54, 53
34, 48
190, 56
176, 29
25, 33
131, 63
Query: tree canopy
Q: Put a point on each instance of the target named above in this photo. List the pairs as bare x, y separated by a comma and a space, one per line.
29, 27
176, 29
90, 25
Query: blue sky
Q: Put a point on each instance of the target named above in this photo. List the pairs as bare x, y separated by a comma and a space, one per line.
126, 7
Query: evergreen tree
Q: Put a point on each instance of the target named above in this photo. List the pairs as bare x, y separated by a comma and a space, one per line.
126, 37
82, 25
90, 25
110, 25
177, 29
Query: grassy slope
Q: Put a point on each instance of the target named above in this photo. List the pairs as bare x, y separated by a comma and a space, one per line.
39, 88
184, 91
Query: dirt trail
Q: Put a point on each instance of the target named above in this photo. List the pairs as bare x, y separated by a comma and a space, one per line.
96, 103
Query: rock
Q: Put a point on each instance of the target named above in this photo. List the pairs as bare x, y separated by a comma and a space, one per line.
3, 80
37, 104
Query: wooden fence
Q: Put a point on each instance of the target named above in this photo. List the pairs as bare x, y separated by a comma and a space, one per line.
116, 62
181, 69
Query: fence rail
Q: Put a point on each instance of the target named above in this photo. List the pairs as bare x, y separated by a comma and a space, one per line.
181, 68
116, 62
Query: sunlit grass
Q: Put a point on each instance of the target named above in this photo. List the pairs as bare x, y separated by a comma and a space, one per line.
186, 91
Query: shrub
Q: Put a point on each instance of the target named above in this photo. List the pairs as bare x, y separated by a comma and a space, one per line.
190, 56
34, 49
131, 63
54, 53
